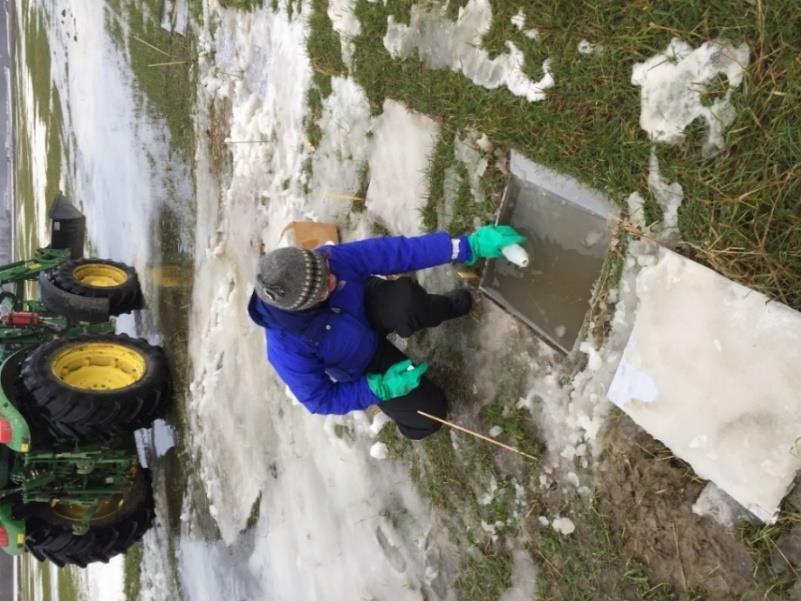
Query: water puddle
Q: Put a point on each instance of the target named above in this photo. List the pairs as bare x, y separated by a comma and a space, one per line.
567, 238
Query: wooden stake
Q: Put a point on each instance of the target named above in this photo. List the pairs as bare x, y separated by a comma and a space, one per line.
149, 45
477, 435
171, 63
346, 197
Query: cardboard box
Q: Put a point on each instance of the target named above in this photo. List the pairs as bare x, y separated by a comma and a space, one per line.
309, 234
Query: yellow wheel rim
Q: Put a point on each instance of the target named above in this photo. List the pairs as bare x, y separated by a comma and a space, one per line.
106, 506
100, 275
99, 366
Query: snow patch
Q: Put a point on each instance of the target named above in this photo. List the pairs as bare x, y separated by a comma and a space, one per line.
445, 44
673, 83
563, 525
730, 410
668, 195
379, 451
398, 188
524, 578
341, 158
519, 21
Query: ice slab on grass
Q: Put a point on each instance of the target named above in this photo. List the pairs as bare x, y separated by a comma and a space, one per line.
402, 143
711, 370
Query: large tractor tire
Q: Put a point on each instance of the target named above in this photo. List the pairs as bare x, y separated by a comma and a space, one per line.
100, 278
90, 388
118, 522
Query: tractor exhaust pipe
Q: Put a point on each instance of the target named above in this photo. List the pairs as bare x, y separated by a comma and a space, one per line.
67, 227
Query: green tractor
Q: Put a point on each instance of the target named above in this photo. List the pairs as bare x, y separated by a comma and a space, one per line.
72, 392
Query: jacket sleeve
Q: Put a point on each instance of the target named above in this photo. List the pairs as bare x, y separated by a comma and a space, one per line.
397, 254
305, 375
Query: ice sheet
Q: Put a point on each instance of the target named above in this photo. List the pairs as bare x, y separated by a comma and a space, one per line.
711, 370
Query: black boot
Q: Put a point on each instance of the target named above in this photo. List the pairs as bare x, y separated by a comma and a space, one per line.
461, 302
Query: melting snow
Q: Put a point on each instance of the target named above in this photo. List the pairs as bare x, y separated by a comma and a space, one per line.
711, 370
398, 162
442, 43
563, 525
673, 83
586, 47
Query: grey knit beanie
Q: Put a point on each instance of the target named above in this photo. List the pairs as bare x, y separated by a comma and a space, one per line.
291, 278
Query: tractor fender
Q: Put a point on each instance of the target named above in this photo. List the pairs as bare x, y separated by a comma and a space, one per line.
9, 394
72, 306
15, 530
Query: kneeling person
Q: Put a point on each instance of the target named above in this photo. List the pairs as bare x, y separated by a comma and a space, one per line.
326, 317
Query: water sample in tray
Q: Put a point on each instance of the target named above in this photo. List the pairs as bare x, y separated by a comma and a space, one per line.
567, 237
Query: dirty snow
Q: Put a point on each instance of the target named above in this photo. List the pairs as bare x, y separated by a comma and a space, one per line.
342, 155
456, 45
329, 505
673, 83
563, 525
402, 142
716, 504
688, 376
669, 196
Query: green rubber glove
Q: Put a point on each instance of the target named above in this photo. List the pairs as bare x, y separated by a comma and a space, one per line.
398, 380
487, 241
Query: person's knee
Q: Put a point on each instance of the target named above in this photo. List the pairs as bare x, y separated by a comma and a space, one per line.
419, 433
409, 300
406, 411
437, 406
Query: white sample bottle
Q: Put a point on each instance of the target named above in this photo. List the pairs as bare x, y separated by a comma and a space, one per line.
516, 254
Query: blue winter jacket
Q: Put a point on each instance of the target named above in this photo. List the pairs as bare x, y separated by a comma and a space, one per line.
322, 354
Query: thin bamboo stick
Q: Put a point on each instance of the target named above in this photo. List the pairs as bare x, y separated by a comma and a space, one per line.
169, 64
149, 45
477, 435
347, 197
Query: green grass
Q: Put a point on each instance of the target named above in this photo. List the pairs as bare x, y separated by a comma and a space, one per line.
67, 587
132, 578
323, 43
764, 545
242, 4
485, 574
586, 565
466, 210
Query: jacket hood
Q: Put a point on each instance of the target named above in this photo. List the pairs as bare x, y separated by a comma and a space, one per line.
275, 318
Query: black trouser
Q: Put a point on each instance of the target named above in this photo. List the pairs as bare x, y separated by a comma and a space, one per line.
403, 306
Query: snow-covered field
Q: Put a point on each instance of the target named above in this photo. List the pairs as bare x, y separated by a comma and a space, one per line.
307, 507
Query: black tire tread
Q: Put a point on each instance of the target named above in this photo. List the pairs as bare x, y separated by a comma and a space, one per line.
122, 299
96, 415
56, 543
